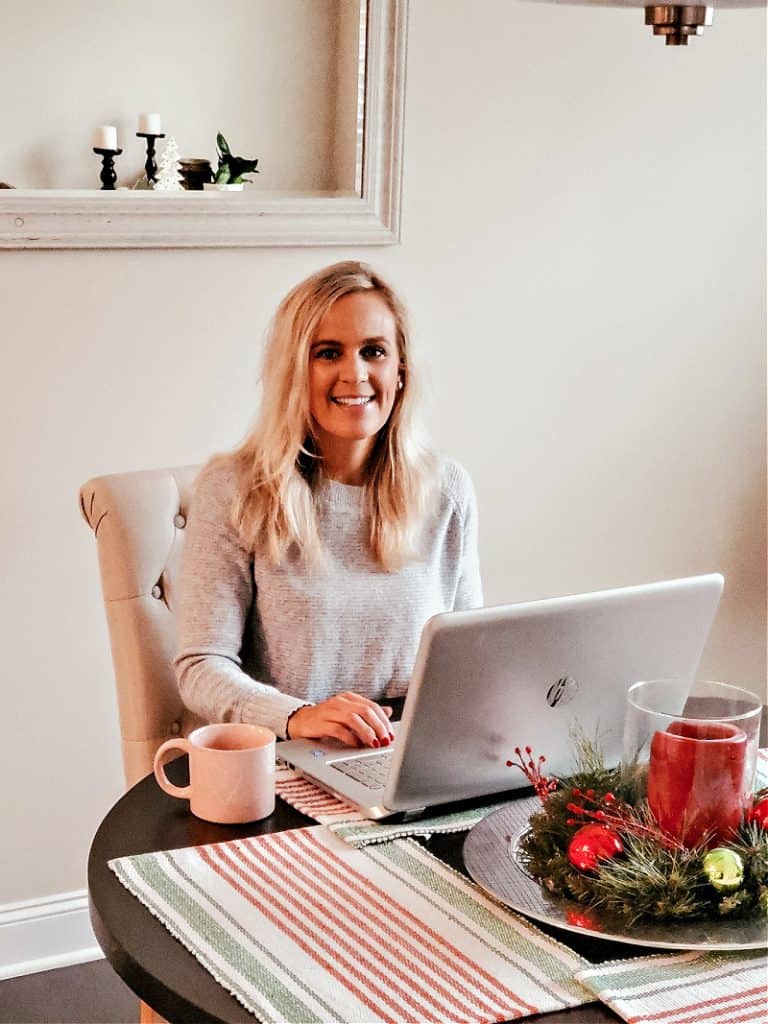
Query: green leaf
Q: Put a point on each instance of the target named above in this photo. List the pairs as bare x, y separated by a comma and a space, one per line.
222, 143
240, 165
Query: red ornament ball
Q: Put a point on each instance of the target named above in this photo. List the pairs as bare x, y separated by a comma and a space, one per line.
759, 813
591, 844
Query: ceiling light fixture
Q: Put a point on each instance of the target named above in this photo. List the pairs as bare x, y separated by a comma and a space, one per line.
675, 21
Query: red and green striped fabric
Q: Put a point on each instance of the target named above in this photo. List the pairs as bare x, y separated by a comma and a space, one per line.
689, 988
346, 822
308, 798
301, 927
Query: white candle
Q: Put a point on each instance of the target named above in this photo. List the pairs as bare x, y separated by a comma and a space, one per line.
149, 124
105, 137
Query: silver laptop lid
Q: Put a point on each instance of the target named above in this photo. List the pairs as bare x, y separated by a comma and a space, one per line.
488, 680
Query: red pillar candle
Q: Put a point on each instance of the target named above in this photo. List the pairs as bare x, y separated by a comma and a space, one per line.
696, 780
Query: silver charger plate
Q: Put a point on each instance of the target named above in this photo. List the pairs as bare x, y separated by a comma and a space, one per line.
492, 857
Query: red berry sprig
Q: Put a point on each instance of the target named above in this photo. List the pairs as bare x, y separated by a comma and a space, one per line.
619, 816
542, 784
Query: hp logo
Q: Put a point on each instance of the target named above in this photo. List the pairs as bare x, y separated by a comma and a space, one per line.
563, 691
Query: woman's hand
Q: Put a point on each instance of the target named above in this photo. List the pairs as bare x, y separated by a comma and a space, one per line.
348, 717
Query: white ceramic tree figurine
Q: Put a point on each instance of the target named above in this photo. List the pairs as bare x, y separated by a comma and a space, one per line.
168, 173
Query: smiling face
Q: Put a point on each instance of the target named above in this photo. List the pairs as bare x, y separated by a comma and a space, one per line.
354, 369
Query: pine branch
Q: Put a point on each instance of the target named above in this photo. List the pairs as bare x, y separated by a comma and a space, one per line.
652, 882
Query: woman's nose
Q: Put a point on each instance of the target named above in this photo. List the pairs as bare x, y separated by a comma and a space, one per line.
353, 368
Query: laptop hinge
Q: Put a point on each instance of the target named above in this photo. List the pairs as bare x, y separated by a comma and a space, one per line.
413, 813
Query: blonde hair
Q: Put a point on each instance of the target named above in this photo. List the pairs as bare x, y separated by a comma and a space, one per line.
278, 465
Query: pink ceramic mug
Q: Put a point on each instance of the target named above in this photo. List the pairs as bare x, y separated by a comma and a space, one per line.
231, 772
696, 780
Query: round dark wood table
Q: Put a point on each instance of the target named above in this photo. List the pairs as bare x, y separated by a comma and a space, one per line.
158, 968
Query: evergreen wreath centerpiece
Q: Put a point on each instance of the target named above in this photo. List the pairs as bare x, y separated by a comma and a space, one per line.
596, 841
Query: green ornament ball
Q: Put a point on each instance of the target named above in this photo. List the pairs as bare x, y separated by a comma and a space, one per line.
724, 869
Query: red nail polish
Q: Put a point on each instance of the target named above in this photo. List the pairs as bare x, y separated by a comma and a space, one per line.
376, 743
385, 742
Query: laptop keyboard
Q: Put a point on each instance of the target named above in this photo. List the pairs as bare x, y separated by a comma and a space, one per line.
371, 771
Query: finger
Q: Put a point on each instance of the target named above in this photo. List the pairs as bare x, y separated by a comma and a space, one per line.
341, 732
386, 712
364, 731
371, 712
373, 715
383, 714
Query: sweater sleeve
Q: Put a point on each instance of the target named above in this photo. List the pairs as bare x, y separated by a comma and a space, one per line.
216, 599
469, 591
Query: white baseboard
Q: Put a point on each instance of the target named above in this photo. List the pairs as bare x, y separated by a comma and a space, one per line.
42, 934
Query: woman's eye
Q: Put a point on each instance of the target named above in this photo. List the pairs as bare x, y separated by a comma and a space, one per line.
374, 352
326, 353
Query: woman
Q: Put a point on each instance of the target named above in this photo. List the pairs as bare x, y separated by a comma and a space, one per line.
317, 550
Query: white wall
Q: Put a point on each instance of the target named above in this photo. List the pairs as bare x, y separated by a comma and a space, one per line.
584, 256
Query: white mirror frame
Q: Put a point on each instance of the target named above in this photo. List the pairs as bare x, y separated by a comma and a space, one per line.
87, 219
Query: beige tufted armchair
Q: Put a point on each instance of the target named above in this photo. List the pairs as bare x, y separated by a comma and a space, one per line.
139, 519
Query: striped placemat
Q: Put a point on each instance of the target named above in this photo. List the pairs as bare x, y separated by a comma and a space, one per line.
308, 798
298, 927
347, 823
689, 988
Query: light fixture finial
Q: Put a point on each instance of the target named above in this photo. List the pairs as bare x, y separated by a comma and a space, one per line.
676, 22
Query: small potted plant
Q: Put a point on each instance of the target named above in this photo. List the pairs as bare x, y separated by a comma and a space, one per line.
230, 174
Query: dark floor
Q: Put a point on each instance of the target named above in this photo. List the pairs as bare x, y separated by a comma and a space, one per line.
85, 994
94, 994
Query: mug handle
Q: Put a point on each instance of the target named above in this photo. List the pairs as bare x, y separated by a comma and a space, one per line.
184, 792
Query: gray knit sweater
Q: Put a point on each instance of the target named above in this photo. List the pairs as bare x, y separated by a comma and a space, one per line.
256, 642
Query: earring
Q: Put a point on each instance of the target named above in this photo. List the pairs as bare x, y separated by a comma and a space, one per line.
400, 384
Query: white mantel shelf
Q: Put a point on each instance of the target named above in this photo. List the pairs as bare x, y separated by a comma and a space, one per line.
142, 219
124, 219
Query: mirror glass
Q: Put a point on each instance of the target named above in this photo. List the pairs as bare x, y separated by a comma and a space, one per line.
283, 80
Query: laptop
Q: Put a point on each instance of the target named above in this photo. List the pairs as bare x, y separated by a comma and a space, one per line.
489, 680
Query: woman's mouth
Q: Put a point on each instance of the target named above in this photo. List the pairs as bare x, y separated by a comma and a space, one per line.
352, 400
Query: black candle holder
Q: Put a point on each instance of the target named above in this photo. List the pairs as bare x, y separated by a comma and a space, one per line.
150, 167
108, 176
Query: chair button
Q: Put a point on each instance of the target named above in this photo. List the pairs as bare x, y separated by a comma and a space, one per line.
157, 591
179, 521
175, 728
